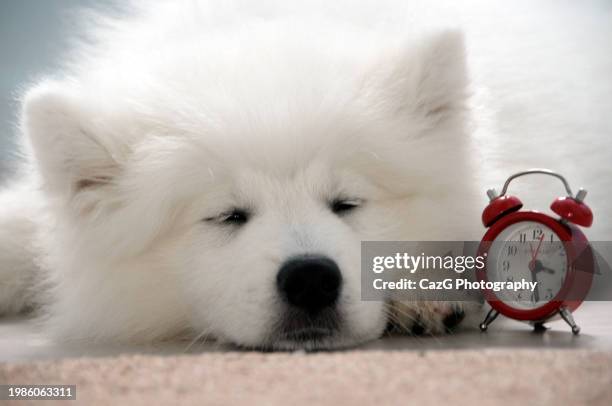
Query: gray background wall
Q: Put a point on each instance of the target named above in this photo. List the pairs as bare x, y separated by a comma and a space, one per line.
32, 34
542, 71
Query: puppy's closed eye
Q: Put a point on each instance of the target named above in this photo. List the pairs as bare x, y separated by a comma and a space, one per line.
342, 206
233, 217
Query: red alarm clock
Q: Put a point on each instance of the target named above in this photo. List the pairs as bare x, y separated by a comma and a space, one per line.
550, 255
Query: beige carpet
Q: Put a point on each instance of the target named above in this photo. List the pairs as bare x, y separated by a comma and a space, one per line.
502, 377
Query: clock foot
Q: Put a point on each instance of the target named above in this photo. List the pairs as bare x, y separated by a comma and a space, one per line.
492, 315
539, 327
569, 319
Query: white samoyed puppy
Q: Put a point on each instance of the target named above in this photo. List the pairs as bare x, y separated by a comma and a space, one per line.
211, 169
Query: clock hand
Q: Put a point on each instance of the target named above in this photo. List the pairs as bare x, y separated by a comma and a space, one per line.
534, 255
537, 267
534, 278
535, 295
548, 270
534, 267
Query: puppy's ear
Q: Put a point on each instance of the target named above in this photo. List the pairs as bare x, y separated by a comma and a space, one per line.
428, 79
73, 150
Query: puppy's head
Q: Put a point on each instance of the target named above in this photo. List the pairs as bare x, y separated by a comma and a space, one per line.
232, 201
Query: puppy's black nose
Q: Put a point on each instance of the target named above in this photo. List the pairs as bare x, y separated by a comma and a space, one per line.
310, 283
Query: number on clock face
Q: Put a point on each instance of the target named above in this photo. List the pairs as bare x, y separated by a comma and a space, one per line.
531, 251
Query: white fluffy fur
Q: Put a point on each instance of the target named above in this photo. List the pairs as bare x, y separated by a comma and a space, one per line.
179, 112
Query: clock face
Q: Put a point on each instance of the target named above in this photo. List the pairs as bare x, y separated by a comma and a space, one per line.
532, 252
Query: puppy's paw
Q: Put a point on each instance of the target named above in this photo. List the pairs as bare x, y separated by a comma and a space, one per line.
426, 318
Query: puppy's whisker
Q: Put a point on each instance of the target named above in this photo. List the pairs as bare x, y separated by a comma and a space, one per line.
399, 315
204, 335
397, 321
